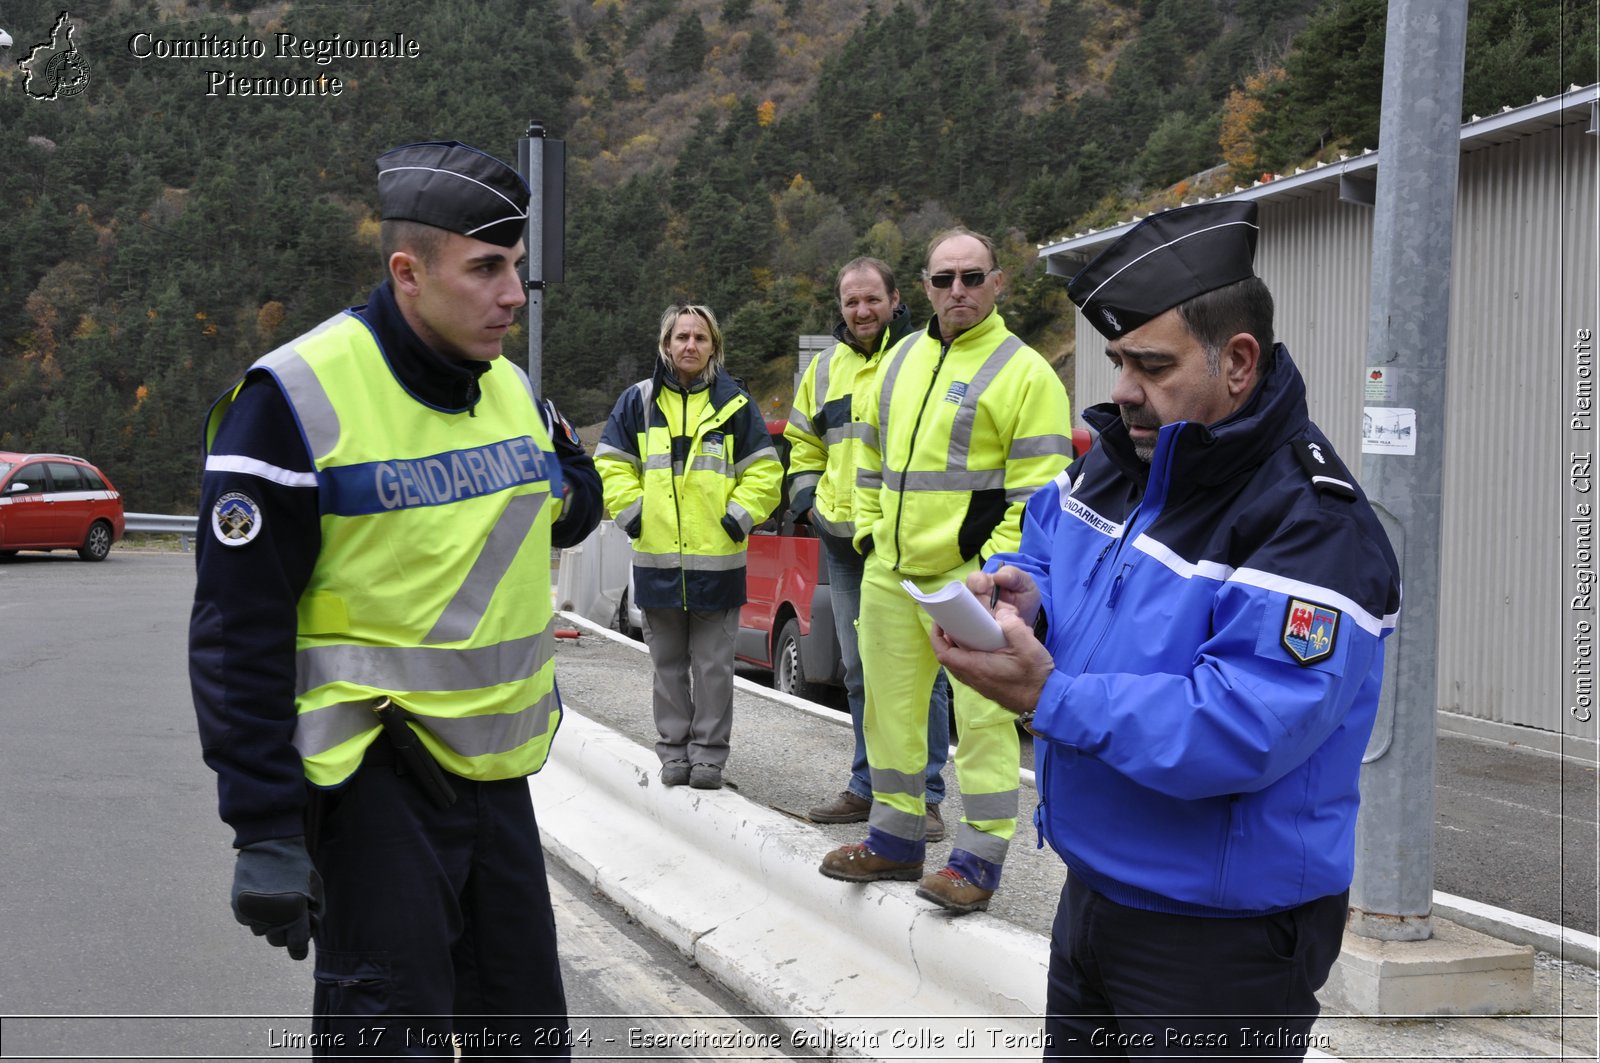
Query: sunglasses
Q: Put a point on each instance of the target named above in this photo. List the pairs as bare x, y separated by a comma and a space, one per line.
970, 279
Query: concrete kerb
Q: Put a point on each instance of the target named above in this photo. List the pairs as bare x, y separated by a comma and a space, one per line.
863, 971
1561, 942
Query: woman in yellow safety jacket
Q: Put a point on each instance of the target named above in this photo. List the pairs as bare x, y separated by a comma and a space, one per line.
689, 470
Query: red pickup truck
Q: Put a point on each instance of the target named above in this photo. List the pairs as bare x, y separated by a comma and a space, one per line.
786, 624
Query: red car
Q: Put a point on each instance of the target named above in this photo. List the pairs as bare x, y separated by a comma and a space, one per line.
57, 502
786, 623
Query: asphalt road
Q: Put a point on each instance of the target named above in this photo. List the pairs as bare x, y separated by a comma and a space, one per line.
115, 930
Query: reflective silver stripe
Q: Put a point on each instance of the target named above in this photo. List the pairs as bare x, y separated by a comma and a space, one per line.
461, 617
741, 516
424, 667
819, 387
692, 562
332, 725
1002, 805
635, 508
323, 729
900, 824
252, 467
945, 480
306, 394
500, 732
868, 479
766, 453
967, 412
869, 435
890, 372
836, 436
980, 844
658, 461
611, 453
705, 465
850, 429
803, 480
844, 529
1020, 494
801, 421
889, 781
1040, 447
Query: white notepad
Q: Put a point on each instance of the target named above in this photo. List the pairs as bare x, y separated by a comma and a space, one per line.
965, 620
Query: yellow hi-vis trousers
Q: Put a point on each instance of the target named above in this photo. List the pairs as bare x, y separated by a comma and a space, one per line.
899, 666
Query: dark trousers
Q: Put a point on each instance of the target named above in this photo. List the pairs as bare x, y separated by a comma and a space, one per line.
435, 923
1127, 983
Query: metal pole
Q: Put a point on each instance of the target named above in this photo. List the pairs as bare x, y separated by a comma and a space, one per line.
530, 160
1403, 449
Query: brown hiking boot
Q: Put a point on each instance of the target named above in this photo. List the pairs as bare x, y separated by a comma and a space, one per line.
857, 863
845, 808
946, 888
935, 824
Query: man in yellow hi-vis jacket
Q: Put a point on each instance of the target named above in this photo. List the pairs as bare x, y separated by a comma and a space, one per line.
967, 423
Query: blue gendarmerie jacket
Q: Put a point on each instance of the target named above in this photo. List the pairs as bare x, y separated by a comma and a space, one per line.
1217, 621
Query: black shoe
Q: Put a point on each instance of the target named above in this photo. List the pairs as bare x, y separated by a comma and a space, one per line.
675, 773
705, 777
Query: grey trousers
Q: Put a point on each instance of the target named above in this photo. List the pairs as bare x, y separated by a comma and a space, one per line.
693, 657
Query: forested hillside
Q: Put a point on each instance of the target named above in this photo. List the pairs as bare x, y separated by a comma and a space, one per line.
162, 232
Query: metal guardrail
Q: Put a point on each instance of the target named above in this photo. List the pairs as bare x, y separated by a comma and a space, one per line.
160, 522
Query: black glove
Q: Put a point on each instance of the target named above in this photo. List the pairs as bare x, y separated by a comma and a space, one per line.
277, 893
635, 526
731, 526
866, 546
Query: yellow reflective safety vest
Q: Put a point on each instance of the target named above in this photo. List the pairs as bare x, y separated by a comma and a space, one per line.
827, 424
960, 435
678, 467
432, 586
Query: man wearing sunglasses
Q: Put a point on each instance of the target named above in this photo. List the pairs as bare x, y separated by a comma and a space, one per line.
963, 424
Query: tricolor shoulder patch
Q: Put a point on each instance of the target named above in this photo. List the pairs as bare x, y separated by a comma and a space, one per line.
1310, 631
235, 519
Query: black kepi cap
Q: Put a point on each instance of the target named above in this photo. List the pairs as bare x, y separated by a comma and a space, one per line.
449, 185
1167, 259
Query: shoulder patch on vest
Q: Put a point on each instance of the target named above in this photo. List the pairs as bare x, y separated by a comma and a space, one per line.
235, 519
1326, 472
1310, 631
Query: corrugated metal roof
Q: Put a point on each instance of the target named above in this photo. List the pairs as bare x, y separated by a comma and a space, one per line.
1064, 257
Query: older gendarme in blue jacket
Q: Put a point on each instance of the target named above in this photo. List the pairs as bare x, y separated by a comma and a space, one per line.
1217, 662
